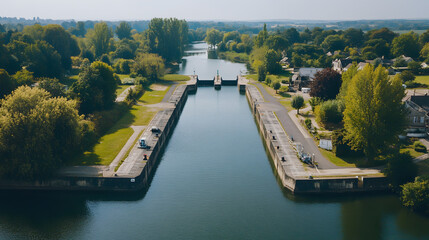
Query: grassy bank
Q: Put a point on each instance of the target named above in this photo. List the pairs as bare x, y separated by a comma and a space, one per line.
113, 141
234, 56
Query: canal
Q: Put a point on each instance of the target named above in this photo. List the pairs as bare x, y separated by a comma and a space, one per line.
214, 181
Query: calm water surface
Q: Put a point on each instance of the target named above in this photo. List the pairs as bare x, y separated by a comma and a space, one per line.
214, 181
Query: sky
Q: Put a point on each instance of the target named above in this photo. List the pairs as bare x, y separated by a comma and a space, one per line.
217, 9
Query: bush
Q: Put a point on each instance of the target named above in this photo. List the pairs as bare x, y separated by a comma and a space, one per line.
283, 91
415, 195
407, 76
412, 84
330, 112
284, 81
419, 147
123, 66
400, 169
308, 123
268, 80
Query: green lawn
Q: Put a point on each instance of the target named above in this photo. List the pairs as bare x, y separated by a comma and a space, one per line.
346, 162
175, 77
422, 79
279, 77
154, 96
112, 142
234, 56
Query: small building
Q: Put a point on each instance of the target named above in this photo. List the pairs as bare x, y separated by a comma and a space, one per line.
339, 65
304, 76
417, 116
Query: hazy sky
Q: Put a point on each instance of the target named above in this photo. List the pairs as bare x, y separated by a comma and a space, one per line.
216, 9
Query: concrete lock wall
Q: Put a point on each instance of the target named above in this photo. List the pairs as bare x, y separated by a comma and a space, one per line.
298, 185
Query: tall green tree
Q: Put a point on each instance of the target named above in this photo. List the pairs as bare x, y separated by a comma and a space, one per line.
96, 87
62, 42
406, 44
43, 60
99, 38
297, 103
271, 62
123, 30
7, 83
374, 114
37, 133
262, 36
213, 37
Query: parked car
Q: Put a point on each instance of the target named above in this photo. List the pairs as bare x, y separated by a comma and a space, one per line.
143, 143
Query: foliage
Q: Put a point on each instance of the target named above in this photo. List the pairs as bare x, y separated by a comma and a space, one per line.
340, 145
400, 169
148, 65
52, 86
330, 112
297, 102
276, 85
213, 37
23, 77
95, 88
271, 62
38, 133
43, 60
262, 36
415, 195
374, 115
167, 38
123, 66
262, 73
406, 76
333, 43
123, 30
314, 101
406, 44
99, 38
326, 84
307, 123
7, 83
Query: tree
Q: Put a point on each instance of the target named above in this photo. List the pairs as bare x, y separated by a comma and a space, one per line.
424, 53
262, 36
96, 87
377, 46
415, 67
415, 195
297, 102
150, 66
52, 86
79, 30
271, 62
37, 133
406, 76
7, 84
23, 77
374, 114
62, 42
277, 43
382, 33
43, 60
330, 112
99, 38
314, 101
276, 85
123, 30
346, 78
326, 84
262, 73
406, 44
400, 169
213, 37
354, 37
333, 43
292, 35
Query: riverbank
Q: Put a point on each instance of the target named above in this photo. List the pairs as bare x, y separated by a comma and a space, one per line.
294, 175
133, 174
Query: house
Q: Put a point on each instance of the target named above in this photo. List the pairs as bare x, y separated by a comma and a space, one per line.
339, 64
303, 76
418, 116
424, 65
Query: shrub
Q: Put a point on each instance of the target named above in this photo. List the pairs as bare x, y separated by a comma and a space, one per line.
419, 147
268, 80
340, 145
400, 169
308, 123
415, 195
283, 91
284, 81
330, 112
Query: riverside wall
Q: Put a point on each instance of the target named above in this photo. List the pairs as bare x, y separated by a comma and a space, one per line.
285, 162
137, 180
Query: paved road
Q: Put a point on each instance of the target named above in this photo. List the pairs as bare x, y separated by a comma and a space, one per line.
293, 131
124, 94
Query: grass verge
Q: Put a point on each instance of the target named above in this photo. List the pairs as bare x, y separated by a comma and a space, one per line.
175, 77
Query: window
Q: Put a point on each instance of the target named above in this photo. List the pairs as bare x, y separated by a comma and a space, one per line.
422, 119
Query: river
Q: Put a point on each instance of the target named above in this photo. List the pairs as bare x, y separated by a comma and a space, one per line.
214, 181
